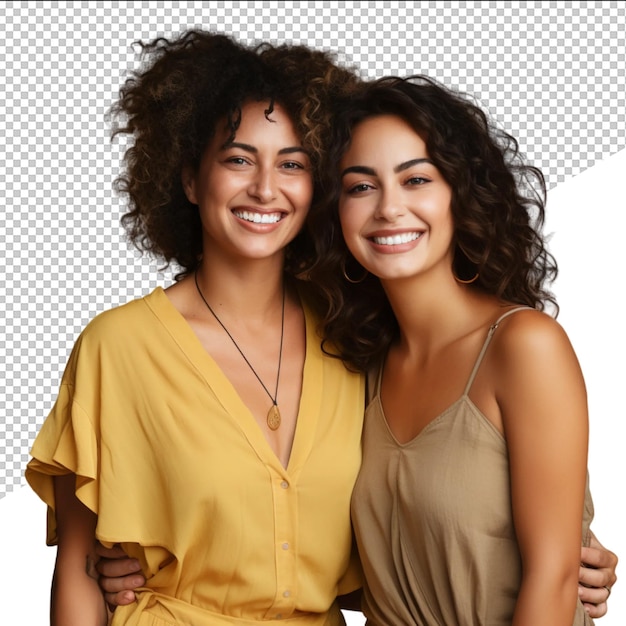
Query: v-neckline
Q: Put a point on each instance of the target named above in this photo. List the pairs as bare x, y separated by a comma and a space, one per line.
439, 417
377, 396
310, 399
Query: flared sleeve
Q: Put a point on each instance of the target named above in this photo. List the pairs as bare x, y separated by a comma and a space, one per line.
67, 444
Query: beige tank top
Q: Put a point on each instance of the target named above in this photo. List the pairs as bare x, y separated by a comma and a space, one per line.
433, 520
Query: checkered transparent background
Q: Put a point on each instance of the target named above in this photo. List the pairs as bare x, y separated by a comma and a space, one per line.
553, 73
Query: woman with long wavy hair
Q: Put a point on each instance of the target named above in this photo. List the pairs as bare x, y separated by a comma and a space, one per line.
472, 500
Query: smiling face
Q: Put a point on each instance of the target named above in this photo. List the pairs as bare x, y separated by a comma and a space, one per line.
394, 206
253, 192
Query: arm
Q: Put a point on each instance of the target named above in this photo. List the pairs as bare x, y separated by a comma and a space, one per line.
542, 396
76, 598
597, 576
119, 575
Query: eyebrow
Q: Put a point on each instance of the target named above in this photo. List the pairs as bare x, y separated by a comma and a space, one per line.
370, 171
248, 148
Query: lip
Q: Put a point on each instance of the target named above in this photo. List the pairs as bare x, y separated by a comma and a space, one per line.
394, 241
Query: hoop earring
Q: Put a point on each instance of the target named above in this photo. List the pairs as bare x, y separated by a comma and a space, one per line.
350, 280
465, 281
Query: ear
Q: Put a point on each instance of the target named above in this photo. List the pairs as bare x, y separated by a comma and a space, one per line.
188, 179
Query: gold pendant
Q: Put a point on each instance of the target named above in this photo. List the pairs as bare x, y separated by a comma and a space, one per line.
273, 417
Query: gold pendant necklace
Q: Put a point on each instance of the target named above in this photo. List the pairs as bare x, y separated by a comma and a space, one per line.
273, 415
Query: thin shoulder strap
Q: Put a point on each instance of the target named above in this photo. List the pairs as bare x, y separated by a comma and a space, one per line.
492, 330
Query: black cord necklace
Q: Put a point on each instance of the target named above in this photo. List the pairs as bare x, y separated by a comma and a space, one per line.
273, 415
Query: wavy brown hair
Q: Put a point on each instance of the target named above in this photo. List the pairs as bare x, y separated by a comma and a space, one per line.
498, 208
171, 107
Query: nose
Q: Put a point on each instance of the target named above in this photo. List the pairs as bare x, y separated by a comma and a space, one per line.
263, 185
390, 205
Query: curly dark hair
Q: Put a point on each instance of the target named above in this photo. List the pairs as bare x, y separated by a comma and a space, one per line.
498, 208
171, 107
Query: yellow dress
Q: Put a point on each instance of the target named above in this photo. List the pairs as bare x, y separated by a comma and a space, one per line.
177, 469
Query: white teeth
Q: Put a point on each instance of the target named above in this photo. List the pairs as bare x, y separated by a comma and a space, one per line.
258, 218
396, 240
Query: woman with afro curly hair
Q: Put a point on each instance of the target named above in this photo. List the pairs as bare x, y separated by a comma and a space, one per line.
472, 500
202, 426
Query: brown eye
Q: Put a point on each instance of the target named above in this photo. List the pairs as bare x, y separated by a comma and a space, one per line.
360, 187
292, 165
237, 161
417, 181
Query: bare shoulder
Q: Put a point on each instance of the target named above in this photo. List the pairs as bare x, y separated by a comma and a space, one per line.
530, 333
531, 341
537, 379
